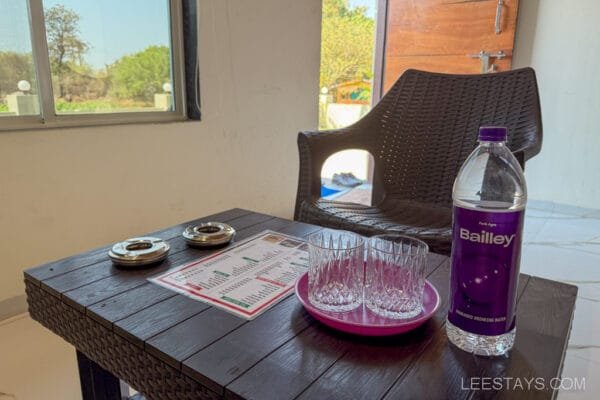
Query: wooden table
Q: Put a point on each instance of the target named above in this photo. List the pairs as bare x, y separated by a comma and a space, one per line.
168, 346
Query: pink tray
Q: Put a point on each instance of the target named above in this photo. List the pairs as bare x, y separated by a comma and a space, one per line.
362, 321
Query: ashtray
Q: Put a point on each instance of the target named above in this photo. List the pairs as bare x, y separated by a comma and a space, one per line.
139, 251
208, 234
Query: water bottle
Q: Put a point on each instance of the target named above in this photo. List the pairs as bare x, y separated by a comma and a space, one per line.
489, 197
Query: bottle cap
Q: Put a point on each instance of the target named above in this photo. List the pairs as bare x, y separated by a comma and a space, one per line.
492, 133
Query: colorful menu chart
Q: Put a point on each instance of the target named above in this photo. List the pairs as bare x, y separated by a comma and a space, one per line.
245, 279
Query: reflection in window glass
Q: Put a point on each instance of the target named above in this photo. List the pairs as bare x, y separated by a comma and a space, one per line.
110, 55
18, 86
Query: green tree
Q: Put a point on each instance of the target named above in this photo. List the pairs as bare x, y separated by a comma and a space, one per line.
139, 76
65, 47
13, 68
347, 43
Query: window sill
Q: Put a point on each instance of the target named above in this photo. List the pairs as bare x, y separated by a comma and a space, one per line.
20, 123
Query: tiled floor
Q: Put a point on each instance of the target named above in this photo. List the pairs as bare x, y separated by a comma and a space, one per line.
561, 243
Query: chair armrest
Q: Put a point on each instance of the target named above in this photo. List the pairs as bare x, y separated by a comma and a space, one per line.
314, 149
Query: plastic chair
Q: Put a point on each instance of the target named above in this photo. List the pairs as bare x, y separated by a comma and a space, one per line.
419, 134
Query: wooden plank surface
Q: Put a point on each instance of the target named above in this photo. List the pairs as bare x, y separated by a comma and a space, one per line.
93, 283
152, 320
108, 299
180, 342
302, 355
285, 353
214, 366
192, 335
442, 363
370, 368
62, 277
113, 296
71, 263
128, 303
543, 324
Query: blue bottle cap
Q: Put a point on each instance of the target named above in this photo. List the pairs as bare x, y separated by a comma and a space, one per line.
493, 134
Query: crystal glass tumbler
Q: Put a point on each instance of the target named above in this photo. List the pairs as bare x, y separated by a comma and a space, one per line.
395, 276
336, 270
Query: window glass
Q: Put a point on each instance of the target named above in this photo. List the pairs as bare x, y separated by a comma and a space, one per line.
109, 56
18, 86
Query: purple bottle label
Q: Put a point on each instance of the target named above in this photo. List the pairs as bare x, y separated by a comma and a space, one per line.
486, 250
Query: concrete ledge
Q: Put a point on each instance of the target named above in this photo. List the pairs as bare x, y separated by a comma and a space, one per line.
13, 306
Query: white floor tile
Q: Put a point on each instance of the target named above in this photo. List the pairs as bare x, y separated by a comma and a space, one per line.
561, 263
533, 227
586, 325
569, 230
582, 367
589, 291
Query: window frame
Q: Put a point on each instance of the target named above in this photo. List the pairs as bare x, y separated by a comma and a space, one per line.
48, 118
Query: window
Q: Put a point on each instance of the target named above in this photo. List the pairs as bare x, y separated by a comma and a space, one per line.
89, 62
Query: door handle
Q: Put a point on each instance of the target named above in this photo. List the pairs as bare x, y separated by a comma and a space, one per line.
485, 57
499, 16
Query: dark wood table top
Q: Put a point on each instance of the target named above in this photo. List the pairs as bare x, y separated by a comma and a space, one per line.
169, 346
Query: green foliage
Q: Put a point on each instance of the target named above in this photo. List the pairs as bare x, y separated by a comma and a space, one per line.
347, 43
84, 83
128, 84
85, 106
362, 94
65, 48
13, 68
139, 76
98, 105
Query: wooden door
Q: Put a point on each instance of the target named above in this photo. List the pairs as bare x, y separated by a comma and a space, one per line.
446, 36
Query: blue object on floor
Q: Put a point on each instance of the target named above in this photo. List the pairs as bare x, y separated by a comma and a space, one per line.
325, 191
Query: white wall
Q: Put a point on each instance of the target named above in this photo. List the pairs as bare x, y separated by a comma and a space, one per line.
68, 190
561, 41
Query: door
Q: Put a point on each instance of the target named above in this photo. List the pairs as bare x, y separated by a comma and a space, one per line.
452, 36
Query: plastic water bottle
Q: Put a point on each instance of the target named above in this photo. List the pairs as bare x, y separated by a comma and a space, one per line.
489, 197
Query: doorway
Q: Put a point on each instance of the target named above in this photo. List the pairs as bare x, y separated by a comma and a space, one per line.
367, 44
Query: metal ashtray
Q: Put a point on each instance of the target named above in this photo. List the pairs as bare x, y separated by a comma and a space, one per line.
208, 234
139, 251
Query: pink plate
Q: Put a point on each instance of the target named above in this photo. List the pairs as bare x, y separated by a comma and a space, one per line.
362, 321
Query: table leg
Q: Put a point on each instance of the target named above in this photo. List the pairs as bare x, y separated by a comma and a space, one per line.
96, 382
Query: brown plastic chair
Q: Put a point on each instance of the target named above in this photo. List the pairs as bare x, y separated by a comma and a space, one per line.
419, 135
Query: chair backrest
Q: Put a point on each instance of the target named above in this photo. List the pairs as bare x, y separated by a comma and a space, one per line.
427, 125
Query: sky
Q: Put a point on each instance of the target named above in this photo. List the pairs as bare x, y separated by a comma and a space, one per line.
370, 4
112, 28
